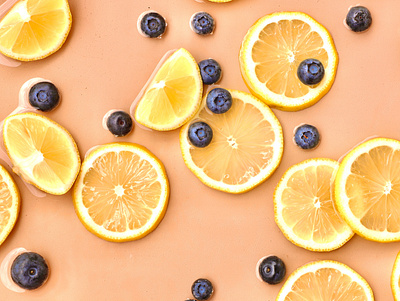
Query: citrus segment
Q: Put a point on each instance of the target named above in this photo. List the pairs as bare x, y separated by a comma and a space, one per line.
121, 192
9, 203
304, 209
367, 189
174, 94
34, 29
271, 52
246, 147
42, 152
395, 278
325, 280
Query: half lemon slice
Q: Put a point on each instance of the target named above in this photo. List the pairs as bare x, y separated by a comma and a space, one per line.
271, 52
173, 96
42, 152
34, 29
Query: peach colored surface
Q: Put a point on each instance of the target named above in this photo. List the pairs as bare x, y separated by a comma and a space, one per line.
205, 233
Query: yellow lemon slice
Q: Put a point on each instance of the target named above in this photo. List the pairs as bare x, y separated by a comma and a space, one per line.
271, 52
122, 192
367, 189
325, 280
246, 147
395, 278
174, 94
42, 152
9, 203
304, 208
34, 29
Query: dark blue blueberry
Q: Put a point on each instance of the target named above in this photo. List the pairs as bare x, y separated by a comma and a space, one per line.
202, 289
210, 71
119, 123
202, 23
219, 100
306, 136
29, 270
152, 25
272, 270
200, 134
44, 96
358, 18
310, 72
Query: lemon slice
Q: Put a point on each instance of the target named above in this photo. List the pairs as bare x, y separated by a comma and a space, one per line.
367, 189
246, 148
122, 192
34, 29
173, 95
271, 52
395, 279
325, 280
9, 203
42, 152
304, 209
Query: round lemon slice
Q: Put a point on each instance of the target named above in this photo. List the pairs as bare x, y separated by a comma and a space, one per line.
367, 189
173, 96
325, 280
9, 203
122, 191
395, 279
304, 209
246, 147
35, 29
271, 52
42, 152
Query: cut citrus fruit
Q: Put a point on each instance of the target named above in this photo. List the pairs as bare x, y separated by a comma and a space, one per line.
42, 152
273, 49
304, 209
395, 279
246, 147
367, 189
9, 203
122, 192
325, 280
174, 94
34, 29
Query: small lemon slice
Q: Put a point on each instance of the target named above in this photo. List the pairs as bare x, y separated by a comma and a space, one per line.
395, 278
325, 280
9, 203
122, 192
246, 147
174, 94
34, 29
271, 52
304, 209
42, 152
367, 189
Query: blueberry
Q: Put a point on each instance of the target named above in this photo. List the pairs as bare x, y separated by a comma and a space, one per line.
119, 123
202, 289
306, 136
44, 96
202, 23
29, 270
272, 270
310, 72
152, 25
219, 100
200, 134
210, 71
358, 18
